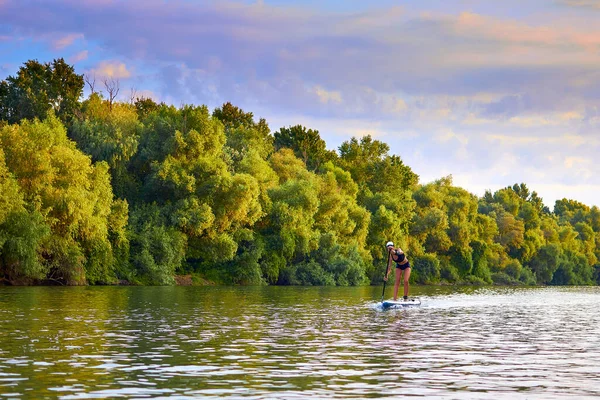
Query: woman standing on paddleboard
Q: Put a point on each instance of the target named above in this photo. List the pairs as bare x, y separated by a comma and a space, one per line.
402, 268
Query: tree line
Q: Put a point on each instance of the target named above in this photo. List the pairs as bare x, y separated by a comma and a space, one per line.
97, 191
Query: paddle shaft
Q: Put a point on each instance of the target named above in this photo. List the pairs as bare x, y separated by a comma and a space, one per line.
387, 268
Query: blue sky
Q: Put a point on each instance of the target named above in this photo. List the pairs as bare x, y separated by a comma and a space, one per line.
493, 93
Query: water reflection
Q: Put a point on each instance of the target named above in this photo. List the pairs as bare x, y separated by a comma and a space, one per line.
297, 342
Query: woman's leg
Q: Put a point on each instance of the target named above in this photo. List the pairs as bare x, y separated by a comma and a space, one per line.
406, 276
397, 283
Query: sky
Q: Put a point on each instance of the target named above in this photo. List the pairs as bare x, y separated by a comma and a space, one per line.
491, 92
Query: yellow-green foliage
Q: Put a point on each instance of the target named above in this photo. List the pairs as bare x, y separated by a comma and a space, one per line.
73, 196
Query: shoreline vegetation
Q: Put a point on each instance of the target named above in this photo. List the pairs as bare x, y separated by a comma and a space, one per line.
95, 191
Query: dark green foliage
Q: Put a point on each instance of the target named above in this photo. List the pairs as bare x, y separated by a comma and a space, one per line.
40, 88
344, 264
110, 133
573, 269
596, 276
361, 158
21, 235
311, 273
448, 272
473, 280
513, 269
500, 278
65, 260
243, 135
157, 250
244, 267
461, 259
306, 144
480, 256
117, 235
527, 277
426, 269
99, 266
144, 107
546, 262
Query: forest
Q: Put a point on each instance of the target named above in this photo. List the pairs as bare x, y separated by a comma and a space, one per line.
97, 191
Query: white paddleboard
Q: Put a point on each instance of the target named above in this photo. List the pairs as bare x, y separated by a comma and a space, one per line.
400, 303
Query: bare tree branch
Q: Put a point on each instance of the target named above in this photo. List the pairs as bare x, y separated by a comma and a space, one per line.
91, 81
133, 95
112, 86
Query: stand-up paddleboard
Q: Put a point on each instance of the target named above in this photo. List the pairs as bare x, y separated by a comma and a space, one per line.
400, 303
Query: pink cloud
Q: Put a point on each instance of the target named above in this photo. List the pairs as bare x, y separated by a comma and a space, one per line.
111, 69
67, 40
511, 31
82, 55
266, 52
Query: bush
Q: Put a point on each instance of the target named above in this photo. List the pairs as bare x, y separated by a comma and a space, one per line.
311, 273
20, 238
500, 278
482, 272
513, 269
157, 251
527, 277
449, 273
426, 269
245, 267
474, 280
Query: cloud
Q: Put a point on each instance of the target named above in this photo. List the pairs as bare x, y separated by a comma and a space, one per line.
82, 55
492, 99
326, 97
356, 56
111, 69
593, 4
66, 41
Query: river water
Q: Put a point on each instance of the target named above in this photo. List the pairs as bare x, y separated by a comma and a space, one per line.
296, 342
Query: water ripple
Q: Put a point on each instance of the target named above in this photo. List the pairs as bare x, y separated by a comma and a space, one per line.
298, 342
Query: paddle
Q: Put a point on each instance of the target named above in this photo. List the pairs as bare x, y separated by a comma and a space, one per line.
387, 268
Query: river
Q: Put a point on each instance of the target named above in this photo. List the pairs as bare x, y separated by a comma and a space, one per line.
298, 342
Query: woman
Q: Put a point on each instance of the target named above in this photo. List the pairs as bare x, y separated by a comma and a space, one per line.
402, 268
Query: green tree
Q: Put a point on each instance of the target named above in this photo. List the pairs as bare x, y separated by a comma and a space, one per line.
21, 232
181, 166
546, 262
360, 158
571, 211
110, 133
385, 187
289, 226
426, 269
445, 222
157, 250
511, 232
40, 88
243, 134
573, 269
73, 196
306, 144
144, 106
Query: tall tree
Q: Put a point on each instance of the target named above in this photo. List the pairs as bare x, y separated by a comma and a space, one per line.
39, 88
109, 133
73, 195
243, 134
360, 158
306, 144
